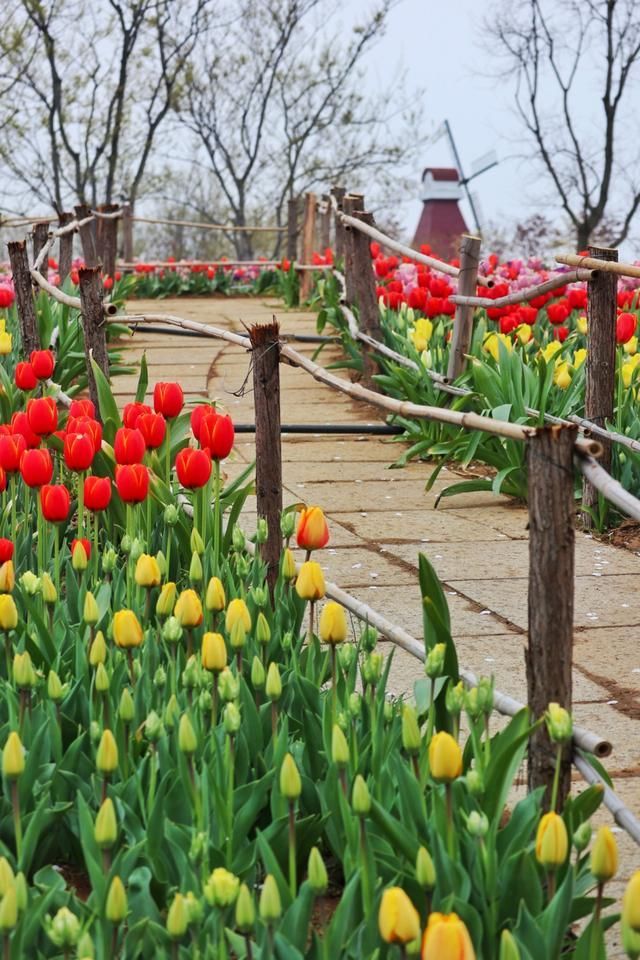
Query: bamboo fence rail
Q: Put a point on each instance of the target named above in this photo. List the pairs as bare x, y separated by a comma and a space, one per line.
559, 280
594, 263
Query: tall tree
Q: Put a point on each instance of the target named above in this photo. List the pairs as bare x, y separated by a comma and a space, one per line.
574, 66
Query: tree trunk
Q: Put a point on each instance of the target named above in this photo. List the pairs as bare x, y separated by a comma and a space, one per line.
127, 233
19, 260
87, 236
65, 247
93, 321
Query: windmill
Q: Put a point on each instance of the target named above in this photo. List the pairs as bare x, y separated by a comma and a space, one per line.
481, 165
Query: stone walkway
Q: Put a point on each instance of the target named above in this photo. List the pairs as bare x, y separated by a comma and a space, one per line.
381, 519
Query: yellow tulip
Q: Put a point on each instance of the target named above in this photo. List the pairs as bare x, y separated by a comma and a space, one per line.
166, 600
398, 919
8, 612
333, 623
421, 334
581, 324
177, 917
552, 842
446, 938
215, 599
221, 889
492, 344
312, 532
6, 343
445, 757
237, 612
79, 558
579, 357
290, 782
631, 903
116, 908
604, 856
524, 333
106, 826
127, 631
214, 652
147, 571
562, 375
310, 581
551, 349
288, 565
7, 577
13, 757
90, 613
631, 346
107, 754
189, 609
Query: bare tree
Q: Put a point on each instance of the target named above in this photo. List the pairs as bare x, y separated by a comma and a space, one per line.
93, 88
557, 54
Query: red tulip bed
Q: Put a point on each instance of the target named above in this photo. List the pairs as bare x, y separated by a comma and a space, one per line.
194, 766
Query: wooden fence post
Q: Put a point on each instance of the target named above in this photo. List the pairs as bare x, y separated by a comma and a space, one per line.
93, 322
463, 321
350, 203
365, 281
551, 583
308, 243
39, 238
292, 229
601, 361
19, 259
87, 236
108, 238
338, 253
266, 391
325, 224
127, 233
65, 247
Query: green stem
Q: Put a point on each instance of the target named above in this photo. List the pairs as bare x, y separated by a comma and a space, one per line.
293, 884
230, 769
595, 926
40, 527
130, 536
80, 504
334, 682
17, 823
450, 828
14, 508
56, 558
556, 777
216, 518
364, 871
153, 778
168, 455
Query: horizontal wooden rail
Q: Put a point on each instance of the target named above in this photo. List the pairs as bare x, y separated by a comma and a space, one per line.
518, 296
605, 266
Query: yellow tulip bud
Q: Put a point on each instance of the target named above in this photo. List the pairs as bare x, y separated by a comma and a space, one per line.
238, 635
631, 346
221, 889
166, 600
177, 918
360, 797
102, 678
237, 612
631, 903
13, 757
273, 686
188, 609
116, 908
187, 739
604, 856
398, 919
245, 910
580, 356
290, 782
127, 630
411, 738
552, 842
270, 903
147, 571
107, 755
79, 558
333, 623
581, 325
7, 577
106, 825
90, 613
49, 592
263, 631
446, 937
8, 612
55, 690
9, 911
215, 599
310, 581
214, 652
7, 876
24, 676
524, 333
195, 568
98, 651
445, 758
508, 947
126, 707
339, 747
196, 542
258, 675
425, 870
317, 872
559, 723
288, 565
6, 343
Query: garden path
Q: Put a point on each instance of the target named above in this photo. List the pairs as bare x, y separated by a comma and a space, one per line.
380, 520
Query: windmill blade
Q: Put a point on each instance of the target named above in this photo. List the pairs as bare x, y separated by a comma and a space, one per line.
487, 160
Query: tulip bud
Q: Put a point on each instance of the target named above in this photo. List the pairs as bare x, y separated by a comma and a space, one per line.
258, 675
7, 876
231, 719
455, 698
262, 530
221, 889
127, 630
187, 739
288, 565
137, 549
360, 797
205, 701
79, 559
161, 560
263, 631
604, 856
355, 705
171, 712
98, 651
333, 623
126, 708
215, 599
411, 738
9, 911
472, 703
22, 892
559, 723
188, 609
166, 600
49, 592
102, 679
508, 947
630, 942
109, 560
477, 824
13, 757
286, 641
290, 782
270, 903
196, 542
116, 907
214, 652
631, 903
171, 630
346, 656
228, 685
195, 568
160, 678
372, 668
85, 949
55, 690
485, 694
125, 544
238, 539
310, 581
8, 612
153, 727
368, 638
171, 515
552, 842
582, 836
339, 747
445, 758
7, 577
95, 732
242, 566
434, 664
238, 636
107, 754
24, 676
398, 919
30, 583
245, 910
425, 870
260, 596
317, 872
106, 826
287, 524
274, 683
177, 918
90, 614
194, 908
64, 929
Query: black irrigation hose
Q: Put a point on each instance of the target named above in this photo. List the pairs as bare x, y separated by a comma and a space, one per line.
331, 429
299, 337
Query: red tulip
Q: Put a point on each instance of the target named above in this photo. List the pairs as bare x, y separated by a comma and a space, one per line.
11, 449
577, 298
90, 427
97, 493
202, 410
82, 408
561, 333
558, 312
6, 550
78, 451
132, 481
193, 467
36, 467
43, 363
3, 480
85, 544
20, 424
7, 296
168, 399
25, 377
153, 428
217, 435
131, 413
129, 446
42, 415
55, 501
625, 327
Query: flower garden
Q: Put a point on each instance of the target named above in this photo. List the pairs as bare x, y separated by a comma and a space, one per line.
196, 765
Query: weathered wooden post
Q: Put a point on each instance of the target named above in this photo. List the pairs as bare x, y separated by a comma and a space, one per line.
549, 652
365, 281
266, 391
19, 259
325, 223
65, 246
601, 361
338, 253
39, 238
108, 238
308, 243
127, 233
93, 323
350, 203
292, 229
87, 235
463, 320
